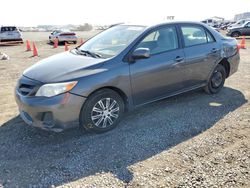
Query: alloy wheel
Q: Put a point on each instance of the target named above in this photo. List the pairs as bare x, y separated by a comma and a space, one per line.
105, 112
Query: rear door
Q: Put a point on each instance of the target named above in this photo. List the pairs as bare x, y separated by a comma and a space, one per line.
201, 52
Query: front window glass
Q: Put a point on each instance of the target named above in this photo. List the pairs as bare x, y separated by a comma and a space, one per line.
111, 42
161, 40
248, 24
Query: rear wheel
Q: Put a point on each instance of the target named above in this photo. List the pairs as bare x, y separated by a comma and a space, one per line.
102, 111
217, 80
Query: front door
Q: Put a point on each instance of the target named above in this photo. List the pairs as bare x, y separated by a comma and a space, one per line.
160, 74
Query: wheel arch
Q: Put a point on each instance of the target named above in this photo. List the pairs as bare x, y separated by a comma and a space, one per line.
122, 94
237, 31
224, 62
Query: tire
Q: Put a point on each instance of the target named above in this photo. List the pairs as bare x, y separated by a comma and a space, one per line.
235, 34
96, 117
216, 81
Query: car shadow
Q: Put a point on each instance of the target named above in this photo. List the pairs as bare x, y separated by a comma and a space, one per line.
30, 156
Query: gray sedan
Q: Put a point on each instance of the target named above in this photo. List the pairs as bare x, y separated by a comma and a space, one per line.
121, 68
239, 30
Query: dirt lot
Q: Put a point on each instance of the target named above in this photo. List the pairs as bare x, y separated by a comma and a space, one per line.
191, 140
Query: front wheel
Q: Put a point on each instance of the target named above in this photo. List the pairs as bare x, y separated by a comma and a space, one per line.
102, 111
217, 80
235, 34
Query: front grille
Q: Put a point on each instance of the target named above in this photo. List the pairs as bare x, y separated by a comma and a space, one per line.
28, 87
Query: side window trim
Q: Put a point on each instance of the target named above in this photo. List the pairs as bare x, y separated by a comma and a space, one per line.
208, 32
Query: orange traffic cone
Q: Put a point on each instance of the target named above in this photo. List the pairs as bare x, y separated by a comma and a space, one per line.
82, 41
35, 53
55, 43
243, 43
28, 48
66, 48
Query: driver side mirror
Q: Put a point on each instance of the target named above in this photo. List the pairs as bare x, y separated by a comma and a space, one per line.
141, 53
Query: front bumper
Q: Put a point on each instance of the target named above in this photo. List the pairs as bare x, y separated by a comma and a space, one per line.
55, 113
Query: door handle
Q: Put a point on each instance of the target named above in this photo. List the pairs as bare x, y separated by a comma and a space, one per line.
214, 50
179, 59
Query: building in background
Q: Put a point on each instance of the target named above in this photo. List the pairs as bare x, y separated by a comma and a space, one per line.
242, 16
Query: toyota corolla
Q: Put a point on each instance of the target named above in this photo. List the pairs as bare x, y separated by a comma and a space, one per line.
121, 68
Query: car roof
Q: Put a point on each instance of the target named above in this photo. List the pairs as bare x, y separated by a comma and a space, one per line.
162, 23
216, 34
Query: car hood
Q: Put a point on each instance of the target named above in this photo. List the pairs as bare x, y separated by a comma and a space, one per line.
64, 66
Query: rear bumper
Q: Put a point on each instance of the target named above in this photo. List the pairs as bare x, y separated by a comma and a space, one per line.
67, 39
54, 114
12, 40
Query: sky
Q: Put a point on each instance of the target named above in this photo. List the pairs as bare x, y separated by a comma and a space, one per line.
60, 12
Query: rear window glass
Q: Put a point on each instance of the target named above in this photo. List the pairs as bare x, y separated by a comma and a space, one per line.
195, 35
210, 38
3, 29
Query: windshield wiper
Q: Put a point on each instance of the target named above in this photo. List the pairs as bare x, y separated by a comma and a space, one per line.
92, 54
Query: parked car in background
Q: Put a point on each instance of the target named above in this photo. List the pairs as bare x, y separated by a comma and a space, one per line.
63, 36
210, 22
225, 25
238, 23
121, 68
239, 30
10, 33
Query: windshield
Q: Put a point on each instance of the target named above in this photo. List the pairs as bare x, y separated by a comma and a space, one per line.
111, 42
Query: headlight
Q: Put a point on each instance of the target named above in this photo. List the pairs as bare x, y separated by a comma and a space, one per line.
49, 90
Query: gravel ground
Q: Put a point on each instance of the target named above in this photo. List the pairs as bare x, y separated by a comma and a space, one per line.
191, 140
